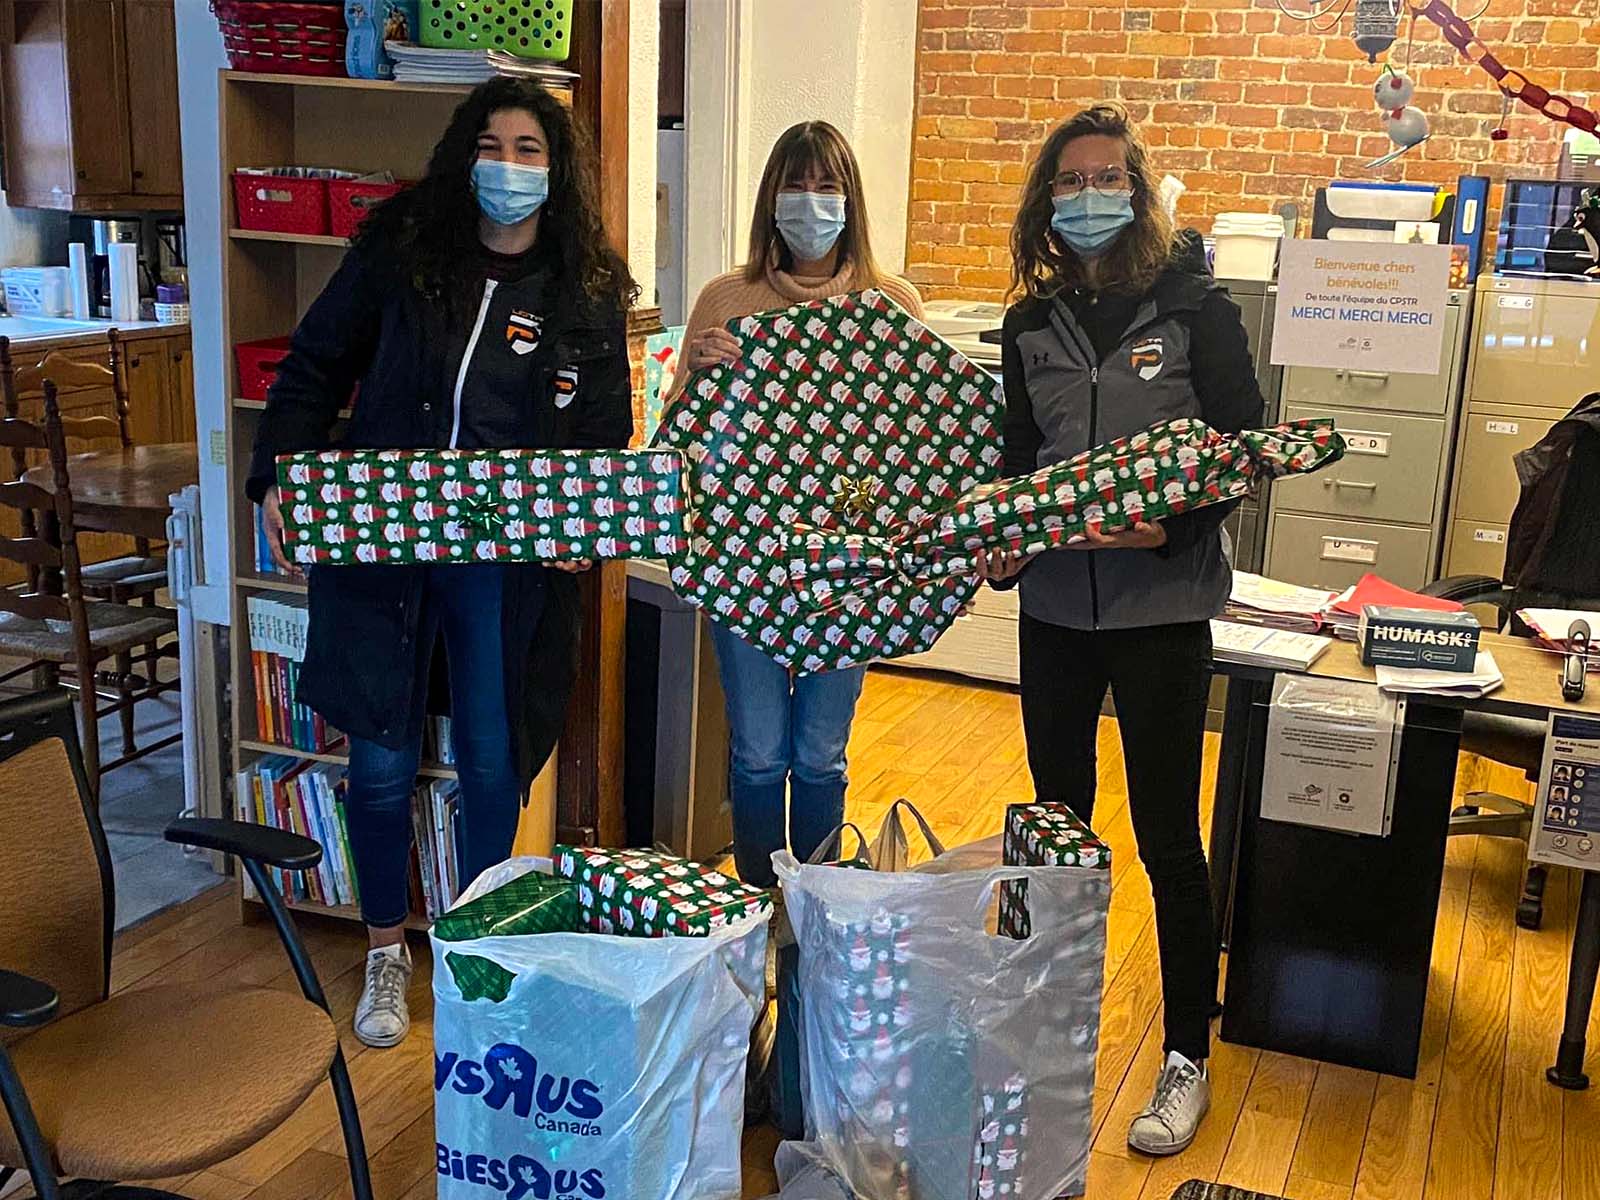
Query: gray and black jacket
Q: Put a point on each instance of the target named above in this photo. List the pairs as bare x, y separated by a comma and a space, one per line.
1072, 382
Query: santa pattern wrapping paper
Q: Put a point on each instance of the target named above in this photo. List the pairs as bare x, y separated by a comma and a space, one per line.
648, 893
1173, 467
846, 415
411, 506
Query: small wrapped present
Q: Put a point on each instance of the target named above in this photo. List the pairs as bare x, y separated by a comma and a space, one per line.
645, 893
1042, 835
411, 506
846, 414
530, 903
1172, 467
479, 978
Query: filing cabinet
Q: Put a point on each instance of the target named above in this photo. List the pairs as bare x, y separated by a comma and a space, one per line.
1381, 508
1535, 353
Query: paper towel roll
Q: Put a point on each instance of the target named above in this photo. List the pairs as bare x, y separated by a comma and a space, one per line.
78, 267
124, 281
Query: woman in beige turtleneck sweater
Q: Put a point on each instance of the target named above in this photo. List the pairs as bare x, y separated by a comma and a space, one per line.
808, 241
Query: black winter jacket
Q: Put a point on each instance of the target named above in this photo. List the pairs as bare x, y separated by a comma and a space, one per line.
364, 670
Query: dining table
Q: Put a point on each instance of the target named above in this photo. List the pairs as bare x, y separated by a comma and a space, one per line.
126, 490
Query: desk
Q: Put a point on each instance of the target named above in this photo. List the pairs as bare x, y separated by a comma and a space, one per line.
126, 490
1329, 934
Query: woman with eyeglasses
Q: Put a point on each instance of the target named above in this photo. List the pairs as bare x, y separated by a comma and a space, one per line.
808, 241
1117, 324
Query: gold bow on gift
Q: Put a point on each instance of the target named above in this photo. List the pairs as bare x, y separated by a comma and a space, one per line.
854, 497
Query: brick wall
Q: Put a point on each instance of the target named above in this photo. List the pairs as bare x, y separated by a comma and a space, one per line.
1247, 105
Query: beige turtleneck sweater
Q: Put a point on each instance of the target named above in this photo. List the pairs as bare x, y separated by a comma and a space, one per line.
730, 296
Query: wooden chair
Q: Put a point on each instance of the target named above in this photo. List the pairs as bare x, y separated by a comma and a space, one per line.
149, 1082
127, 579
63, 628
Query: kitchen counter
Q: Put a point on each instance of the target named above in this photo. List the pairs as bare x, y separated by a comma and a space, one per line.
53, 333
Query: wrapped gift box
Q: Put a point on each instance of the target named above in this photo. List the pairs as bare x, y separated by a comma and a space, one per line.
1043, 835
845, 414
530, 903
409, 506
645, 893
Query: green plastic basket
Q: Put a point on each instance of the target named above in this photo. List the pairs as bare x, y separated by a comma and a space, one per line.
526, 28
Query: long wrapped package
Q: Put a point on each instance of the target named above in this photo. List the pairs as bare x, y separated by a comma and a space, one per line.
599, 1066
941, 1062
430, 506
846, 414
1172, 467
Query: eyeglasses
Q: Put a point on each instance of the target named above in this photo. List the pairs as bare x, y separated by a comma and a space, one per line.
1108, 181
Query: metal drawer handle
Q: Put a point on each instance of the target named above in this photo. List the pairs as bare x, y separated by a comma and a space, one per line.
1356, 484
1370, 376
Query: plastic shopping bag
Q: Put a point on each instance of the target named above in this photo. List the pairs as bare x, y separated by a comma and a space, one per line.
941, 1061
613, 1067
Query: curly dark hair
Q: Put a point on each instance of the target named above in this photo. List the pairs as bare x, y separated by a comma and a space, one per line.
1041, 263
429, 232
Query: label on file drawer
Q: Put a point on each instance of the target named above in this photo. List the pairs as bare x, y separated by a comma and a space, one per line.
1516, 301
1349, 550
1365, 443
1497, 536
1501, 427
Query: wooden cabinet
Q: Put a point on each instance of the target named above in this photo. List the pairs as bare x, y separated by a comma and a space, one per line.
91, 112
149, 391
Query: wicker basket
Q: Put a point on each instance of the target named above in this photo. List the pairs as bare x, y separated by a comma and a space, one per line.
277, 37
526, 28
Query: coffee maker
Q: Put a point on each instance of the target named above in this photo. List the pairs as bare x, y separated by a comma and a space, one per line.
104, 233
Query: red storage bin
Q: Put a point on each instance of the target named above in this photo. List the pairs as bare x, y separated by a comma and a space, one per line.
258, 365
277, 37
281, 203
350, 200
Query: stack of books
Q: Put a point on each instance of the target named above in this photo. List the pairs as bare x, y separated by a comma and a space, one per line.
436, 820
307, 798
437, 746
277, 647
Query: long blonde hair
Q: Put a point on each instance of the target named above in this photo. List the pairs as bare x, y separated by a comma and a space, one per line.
811, 145
1041, 264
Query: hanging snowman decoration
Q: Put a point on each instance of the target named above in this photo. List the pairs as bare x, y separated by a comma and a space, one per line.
1406, 126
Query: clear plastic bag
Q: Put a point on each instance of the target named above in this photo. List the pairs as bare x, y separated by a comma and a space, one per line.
614, 1067
940, 1061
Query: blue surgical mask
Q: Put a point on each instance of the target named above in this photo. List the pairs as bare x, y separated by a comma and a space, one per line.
509, 192
1090, 221
810, 222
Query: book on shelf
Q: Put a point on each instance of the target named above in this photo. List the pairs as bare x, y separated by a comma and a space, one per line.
277, 627
436, 818
265, 565
437, 746
304, 797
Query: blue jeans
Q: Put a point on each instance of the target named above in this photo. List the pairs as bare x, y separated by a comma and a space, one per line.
785, 729
461, 603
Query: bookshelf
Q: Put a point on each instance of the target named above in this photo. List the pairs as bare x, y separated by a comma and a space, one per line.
268, 280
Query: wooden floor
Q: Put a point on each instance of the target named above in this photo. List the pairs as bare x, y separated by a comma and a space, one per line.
1478, 1123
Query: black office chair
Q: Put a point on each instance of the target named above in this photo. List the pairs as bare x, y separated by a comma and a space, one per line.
1514, 741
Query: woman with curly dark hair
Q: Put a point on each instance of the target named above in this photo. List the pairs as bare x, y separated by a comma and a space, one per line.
480, 309
1117, 324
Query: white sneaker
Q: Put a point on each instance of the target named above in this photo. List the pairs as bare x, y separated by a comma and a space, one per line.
381, 1017
1171, 1119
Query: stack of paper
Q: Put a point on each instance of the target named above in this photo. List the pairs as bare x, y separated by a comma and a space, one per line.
1484, 678
1344, 614
1551, 626
427, 64
532, 68
1260, 646
1257, 600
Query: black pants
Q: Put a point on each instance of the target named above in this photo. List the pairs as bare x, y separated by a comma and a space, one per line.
1159, 678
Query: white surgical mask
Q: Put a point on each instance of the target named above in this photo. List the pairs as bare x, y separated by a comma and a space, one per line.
810, 222
508, 192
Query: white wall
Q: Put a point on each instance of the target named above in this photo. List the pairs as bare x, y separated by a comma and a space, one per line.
757, 67
644, 56
200, 56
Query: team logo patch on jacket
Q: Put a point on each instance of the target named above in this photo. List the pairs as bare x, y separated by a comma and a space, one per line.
522, 332
566, 386
1148, 358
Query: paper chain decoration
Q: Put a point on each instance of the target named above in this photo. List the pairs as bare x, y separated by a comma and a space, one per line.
1459, 34
1171, 468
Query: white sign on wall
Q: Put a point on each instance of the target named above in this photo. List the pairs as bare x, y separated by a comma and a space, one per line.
1361, 306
